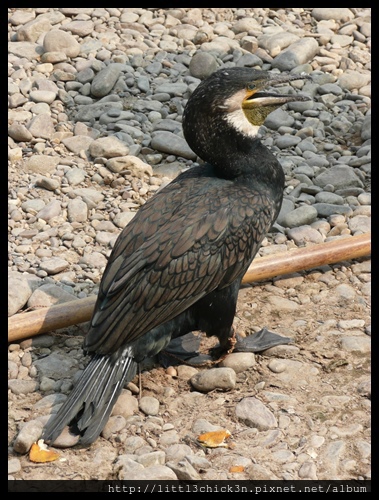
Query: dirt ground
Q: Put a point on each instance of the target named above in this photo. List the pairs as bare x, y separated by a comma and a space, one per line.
323, 392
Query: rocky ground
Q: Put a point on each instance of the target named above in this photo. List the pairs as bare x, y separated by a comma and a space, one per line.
95, 104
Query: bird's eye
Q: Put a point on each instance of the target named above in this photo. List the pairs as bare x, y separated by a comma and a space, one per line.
251, 86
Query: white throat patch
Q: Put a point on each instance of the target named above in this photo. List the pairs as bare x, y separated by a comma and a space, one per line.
236, 117
239, 121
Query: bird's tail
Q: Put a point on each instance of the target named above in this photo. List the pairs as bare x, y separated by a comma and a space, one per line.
89, 405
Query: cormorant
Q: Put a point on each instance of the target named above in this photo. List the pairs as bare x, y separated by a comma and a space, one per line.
177, 266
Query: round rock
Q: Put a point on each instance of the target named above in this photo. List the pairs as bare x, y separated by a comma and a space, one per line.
214, 378
202, 65
239, 361
149, 405
254, 413
61, 41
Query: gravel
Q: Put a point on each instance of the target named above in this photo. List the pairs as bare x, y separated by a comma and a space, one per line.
96, 97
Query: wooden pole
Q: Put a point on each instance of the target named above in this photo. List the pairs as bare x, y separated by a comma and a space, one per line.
51, 318
77, 311
300, 259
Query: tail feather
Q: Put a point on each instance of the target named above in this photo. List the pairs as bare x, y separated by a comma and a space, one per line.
89, 405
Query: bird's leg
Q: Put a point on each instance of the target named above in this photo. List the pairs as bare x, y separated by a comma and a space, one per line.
219, 352
185, 349
139, 381
225, 347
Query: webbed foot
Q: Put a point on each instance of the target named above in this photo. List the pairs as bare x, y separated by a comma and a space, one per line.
260, 341
185, 349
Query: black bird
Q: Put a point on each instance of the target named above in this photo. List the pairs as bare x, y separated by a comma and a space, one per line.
177, 266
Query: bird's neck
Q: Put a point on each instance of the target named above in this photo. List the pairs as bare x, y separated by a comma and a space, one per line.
241, 157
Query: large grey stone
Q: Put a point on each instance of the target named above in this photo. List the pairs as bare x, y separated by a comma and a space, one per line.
41, 164
300, 52
172, 144
254, 413
304, 214
339, 176
215, 378
56, 366
32, 30
19, 291
202, 65
336, 13
104, 81
60, 41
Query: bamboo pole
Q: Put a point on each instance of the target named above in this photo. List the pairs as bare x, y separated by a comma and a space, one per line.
77, 311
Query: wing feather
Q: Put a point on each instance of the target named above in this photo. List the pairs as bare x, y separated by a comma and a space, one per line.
172, 253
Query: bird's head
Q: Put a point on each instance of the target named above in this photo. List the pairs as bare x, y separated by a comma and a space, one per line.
258, 103
233, 102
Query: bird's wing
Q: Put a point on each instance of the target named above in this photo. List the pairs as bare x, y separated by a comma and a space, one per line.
174, 252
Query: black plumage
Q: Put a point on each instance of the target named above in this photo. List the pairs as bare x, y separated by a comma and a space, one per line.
177, 266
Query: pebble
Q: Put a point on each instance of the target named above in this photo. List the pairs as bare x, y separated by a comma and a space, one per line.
300, 216
279, 118
277, 366
214, 378
177, 452
47, 183
334, 453
201, 426
153, 473
95, 103
107, 147
360, 224
258, 472
14, 465
54, 265
152, 459
105, 79
61, 41
19, 291
56, 366
75, 176
66, 439
184, 471
346, 431
300, 52
354, 343
364, 448
327, 209
186, 372
29, 434
114, 425
126, 405
199, 463
348, 324
170, 143
292, 372
345, 292
239, 361
339, 176
304, 234
149, 405
202, 65
282, 304
308, 470
47, 295
22, 386
19, 132
254, 413
169, 438
77, 210
287, 141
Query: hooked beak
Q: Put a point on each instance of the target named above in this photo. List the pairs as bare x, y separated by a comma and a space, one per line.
257, 95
